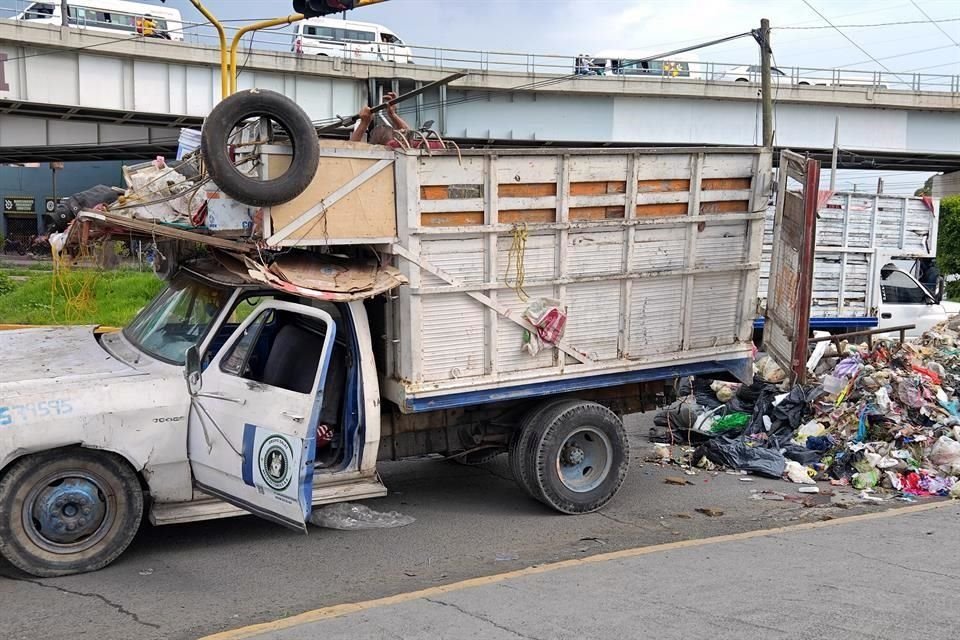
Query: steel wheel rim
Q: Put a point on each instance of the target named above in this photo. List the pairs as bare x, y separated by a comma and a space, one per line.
68, 512
584, 459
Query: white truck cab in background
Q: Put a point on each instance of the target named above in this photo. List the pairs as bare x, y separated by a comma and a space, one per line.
903, 300
349, 39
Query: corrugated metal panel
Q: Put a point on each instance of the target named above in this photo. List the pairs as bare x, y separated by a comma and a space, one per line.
460, 257
716, 302
510, 355
593, 325
720, 245
595, 253
539, 258
655, 309
453, 337
658, 249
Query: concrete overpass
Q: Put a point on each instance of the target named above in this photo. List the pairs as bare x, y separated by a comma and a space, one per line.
68, 94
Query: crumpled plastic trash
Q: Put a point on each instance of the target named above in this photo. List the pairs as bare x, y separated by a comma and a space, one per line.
866, 479
945, 454
349, 516
725, 391
796, 472
769, 370
955, 491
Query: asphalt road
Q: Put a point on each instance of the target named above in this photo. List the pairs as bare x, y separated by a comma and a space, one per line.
834, 581
186, 581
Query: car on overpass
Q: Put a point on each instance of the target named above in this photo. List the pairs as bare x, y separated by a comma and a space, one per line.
349, 39
751, 73
110, 16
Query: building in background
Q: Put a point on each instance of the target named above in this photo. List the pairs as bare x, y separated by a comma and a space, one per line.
30, 191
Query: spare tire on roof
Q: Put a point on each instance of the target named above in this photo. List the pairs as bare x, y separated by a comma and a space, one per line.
257, 103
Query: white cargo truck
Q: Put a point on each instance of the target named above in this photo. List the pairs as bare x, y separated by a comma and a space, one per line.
253, 388
864, 277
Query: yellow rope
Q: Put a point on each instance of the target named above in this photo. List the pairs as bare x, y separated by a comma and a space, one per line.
515, 259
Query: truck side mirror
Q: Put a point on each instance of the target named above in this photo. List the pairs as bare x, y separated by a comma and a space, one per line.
192, 371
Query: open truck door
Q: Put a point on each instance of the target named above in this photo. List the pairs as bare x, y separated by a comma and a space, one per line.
786, 327
254, 411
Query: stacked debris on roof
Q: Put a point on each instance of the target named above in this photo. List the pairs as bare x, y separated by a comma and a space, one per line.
884, 419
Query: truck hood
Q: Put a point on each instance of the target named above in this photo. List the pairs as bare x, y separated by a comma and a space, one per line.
60, 354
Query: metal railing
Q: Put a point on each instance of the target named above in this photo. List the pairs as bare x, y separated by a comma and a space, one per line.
540, 64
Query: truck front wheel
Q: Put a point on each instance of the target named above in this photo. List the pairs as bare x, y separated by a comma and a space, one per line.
64, 512
576, 456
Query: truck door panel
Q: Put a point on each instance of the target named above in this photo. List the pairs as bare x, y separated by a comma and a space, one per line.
252, 433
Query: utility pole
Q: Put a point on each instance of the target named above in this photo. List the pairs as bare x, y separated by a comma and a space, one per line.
833, 160
65, 14
766, 93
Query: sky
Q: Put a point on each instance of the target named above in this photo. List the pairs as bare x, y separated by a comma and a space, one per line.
801, 37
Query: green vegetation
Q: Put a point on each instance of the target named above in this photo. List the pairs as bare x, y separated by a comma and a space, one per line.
948, 243
79, 296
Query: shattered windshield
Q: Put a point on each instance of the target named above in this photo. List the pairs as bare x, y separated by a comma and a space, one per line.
177, 319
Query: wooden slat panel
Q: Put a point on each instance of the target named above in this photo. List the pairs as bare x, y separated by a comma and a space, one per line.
725, 206
597, 188
656, 210
460, 219
528, 215
653, 186
451, 192
718, 184
596, 213
527, 190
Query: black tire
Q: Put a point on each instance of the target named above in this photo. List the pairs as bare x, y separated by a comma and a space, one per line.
249, 104
518, 444
596, 479
44, 477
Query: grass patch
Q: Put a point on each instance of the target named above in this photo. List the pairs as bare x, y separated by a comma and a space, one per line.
79, 297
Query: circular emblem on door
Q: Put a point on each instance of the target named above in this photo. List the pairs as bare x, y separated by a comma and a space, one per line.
275, 467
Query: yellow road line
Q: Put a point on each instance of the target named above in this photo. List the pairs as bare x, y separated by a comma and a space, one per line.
338, 610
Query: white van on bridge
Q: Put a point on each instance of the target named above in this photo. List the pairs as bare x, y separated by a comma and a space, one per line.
348, 39
112, 16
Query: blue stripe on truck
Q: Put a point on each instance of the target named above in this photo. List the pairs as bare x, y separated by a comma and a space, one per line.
742, 368
832, 323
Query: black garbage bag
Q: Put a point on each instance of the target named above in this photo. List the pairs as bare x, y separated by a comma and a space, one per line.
785, 418
804, 456
68, 208
737, 454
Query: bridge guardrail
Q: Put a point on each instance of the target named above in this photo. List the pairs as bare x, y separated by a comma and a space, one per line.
448, 58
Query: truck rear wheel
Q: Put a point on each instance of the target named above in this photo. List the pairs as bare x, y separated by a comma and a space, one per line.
576, 457
64, 512
518, 445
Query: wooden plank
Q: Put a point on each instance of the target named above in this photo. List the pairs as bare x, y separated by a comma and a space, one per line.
491, 218
452, 219
656, 186
451, 205
725, 206
156, 229
656, 210
451, 191
355, 198
562, 235
512, 216
596, 213
629, 246
527, 190
597, 188
724, 184
690, 255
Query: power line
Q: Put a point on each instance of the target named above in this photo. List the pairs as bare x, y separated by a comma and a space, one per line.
850, 40
934, 23
865, 26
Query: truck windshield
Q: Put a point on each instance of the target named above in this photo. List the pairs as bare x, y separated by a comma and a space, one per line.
177, 319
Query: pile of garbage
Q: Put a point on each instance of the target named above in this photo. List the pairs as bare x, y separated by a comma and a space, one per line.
883, 419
